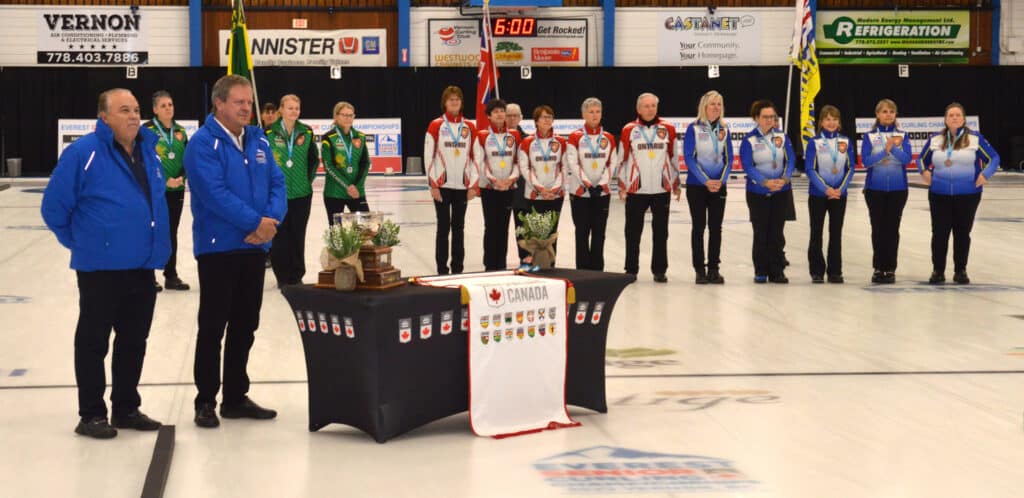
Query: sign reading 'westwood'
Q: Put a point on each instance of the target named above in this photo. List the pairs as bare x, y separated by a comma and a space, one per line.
887, 37
302, 47
559, 42
730, 37
91, 36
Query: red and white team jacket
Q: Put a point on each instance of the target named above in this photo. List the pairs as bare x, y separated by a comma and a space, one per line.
496, 154
589, 161
540, 162
448, 153
649, 163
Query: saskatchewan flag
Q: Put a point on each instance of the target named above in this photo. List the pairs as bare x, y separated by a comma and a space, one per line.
239, 58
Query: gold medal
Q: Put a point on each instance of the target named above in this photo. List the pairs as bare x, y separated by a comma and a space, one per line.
593, 165
650, 154
457, 152
547, 169
502, 164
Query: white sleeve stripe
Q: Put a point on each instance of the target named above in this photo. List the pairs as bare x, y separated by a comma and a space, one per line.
216, 142
89, 162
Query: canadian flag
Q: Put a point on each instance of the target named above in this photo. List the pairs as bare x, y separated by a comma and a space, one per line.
426, 326
405, 330
581, 312
446, 322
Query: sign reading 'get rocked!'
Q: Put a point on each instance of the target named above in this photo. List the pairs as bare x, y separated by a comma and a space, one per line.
887, 37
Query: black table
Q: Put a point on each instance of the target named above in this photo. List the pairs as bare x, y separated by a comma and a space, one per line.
375, 382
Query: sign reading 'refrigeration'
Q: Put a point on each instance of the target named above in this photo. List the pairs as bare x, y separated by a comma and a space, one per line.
693, 38
556, 42
888, 37
303, 47
91, 36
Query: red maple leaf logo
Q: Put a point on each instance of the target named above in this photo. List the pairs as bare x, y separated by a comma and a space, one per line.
425, 331
446, 327
495, 295
405, 335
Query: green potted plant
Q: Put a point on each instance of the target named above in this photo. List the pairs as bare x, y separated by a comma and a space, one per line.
538, 235
341, 254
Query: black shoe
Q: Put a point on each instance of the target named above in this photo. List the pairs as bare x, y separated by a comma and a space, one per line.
206, 416
246, 409
936, 278
135, 420
877, 277
266, 264
778, 278
961, 278
175, 283
157, 285
818, 279
889, 277
660, 278
715, 278
760, 279
96, 427
702, 278
835, 279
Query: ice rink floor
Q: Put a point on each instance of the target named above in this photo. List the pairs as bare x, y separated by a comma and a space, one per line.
798, 390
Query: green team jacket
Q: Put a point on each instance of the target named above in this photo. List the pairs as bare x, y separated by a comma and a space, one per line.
173, 167
341, 173
298, 177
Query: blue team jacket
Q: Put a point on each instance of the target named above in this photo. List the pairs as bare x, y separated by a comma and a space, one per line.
702, 161
760, 164
96, 207
231, 190
887, 172
824, 172
965, 164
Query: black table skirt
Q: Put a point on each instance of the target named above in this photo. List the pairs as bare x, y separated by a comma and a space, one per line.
385, 387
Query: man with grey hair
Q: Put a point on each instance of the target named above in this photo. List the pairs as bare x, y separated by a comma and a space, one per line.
105, 203
238, 200
513, 115
590, 158
648, 175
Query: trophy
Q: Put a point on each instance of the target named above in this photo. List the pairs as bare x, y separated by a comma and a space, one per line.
378, 273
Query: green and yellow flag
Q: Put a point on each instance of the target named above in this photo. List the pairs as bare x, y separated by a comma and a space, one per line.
239, 56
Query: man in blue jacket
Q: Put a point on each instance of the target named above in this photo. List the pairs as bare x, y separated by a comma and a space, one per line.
104, 202
238, 199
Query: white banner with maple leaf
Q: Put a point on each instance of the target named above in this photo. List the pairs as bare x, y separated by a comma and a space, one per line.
517, 351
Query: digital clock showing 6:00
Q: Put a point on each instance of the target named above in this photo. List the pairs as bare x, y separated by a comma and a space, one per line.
92, 57
513, 26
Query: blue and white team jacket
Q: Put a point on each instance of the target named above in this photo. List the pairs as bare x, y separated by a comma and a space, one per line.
955, 171
887, 171
707, 152
829, 162
766, 157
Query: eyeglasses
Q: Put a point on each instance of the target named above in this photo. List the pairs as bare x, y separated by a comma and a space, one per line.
346, 115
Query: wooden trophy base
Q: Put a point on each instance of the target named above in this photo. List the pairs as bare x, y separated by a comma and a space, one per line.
381, 280
325, 279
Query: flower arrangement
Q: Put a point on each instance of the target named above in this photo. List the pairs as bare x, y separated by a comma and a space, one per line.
537, 235
387, 236
341, 254
343, 240
537, 225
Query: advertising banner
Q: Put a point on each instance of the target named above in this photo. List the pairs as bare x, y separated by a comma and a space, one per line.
693, 38
69, 130
303, 47
90, 35
893, 37
547, 42
383, 140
